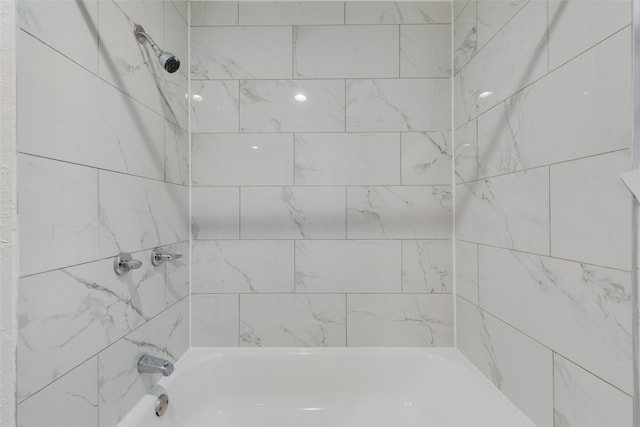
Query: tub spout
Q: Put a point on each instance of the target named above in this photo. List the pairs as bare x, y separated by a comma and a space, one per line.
154, 365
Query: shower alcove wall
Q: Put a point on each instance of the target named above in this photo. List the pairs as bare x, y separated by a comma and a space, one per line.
322, 205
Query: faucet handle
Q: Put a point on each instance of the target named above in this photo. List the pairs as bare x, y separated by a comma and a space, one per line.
124, 262
160, 255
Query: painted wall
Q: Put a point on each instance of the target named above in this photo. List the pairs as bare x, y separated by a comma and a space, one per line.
102, 168
324, 221
543, 122
8, 215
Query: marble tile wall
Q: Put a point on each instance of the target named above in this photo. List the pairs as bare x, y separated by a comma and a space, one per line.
321, 174
103, 168
542, 106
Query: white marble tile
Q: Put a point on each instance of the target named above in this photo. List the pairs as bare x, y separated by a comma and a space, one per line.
53, 21
120, 384
459, 6
146, 285
398, 105
517, 365
176, 154
215, 212
417, 212
427, 266
510, 211
183, 8
70, 401
590, 114
177, 273
93, 308
466, 152
580, 311
464, 102
347, 158
400, 320
427, 12
426, 158
292, 213
209, 13
516, 57
82, 119
215, 320
346, 51
133, 67
292, 320
467, 270
292, 106
137, 213
58, 210
241, 52
425, 51
215, 106
582, 399
242, 266
590, 211
465, 36
575, 26
348, 266
493, 15
291, 13
242, 159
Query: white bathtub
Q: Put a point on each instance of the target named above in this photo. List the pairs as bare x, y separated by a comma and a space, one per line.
326, 387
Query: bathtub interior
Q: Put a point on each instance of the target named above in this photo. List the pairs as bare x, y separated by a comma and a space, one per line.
364, 387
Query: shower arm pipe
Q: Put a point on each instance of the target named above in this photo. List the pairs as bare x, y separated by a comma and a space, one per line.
142, 36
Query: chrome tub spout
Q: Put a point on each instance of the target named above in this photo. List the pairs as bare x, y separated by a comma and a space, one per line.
154, 365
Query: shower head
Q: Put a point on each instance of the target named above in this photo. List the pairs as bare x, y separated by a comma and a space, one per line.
168, 60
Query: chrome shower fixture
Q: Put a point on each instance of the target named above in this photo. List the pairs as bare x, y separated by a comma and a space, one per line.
168, 60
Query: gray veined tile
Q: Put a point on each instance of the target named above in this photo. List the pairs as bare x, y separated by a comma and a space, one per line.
242, 159
347, 158
70, 401
292, 213
215, 106
584, 400
68, 233
591, 113
347, 266
398, 105
426, 158
214, 320
82, 119
292, 106
241, 53
52, 21
519, 366
410, 212
427, 266
120, 384
509, 211
465, 37
425, 51
137, 213
400, 320
293, 320
215, 212
291, 13
93, 309
587, 309
346, 51
426, 12
242, 266
208, 13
